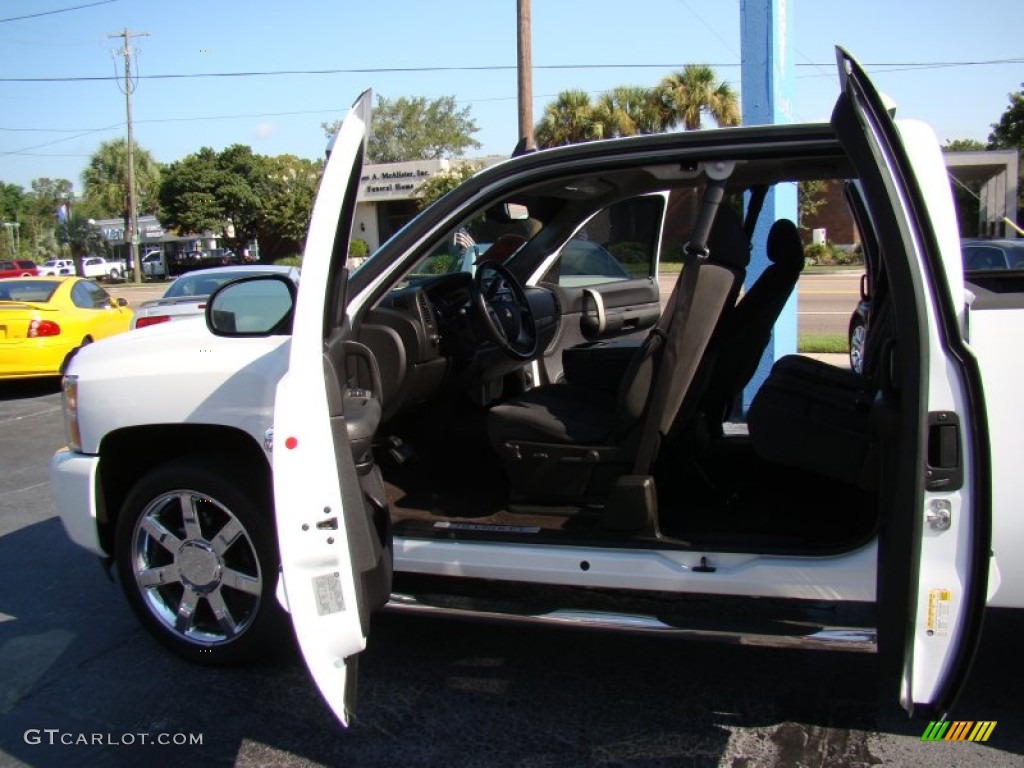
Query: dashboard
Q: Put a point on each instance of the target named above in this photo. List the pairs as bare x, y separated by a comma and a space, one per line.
427, 336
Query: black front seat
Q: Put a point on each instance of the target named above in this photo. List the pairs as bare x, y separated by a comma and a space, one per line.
746, 331
569, 442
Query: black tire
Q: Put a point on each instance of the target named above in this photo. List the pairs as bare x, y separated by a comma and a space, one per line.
115, 274
209, 602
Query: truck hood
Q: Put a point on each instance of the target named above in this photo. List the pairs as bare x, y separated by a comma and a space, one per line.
125, 347
177, 373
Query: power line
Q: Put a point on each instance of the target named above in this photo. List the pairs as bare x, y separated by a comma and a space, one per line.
910, 65
59, 10
59, 141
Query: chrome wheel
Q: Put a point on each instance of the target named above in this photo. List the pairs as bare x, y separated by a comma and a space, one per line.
196, 567
197, 557
858, 333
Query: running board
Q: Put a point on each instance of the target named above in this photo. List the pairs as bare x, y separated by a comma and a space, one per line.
798, 634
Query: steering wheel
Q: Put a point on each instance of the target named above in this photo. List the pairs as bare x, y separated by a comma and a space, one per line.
500, 304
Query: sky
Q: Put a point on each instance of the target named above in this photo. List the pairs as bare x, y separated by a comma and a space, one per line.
48, 128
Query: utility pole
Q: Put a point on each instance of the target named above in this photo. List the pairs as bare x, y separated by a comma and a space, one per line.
130, 236
524, 67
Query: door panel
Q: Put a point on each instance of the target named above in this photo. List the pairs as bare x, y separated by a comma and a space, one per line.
325, 521
934, 536
606, 277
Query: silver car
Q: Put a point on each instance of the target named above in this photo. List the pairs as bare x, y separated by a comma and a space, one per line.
186, 296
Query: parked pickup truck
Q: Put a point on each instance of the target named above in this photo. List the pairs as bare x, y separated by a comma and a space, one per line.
538, 439
102, 269
57, 267
95, 267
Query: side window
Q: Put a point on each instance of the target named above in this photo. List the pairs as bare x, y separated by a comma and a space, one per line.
80, 296
617, 243
86, 295
100, 298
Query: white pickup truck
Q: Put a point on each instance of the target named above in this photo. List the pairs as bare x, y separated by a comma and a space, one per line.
96, 267
534, 439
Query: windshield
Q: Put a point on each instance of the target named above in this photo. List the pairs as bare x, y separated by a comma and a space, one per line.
35, 291
204, 284
982, 256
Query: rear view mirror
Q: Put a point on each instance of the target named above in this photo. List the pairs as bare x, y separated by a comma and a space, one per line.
504, 212
261, 305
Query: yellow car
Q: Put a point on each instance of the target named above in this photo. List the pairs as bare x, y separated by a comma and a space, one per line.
44, 319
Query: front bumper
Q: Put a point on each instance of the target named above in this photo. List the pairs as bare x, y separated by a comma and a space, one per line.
73, 485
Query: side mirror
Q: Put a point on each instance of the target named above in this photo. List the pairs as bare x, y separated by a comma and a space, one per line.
259, 305
122, 302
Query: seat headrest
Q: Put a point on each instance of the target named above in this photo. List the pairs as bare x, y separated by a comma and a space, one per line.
784, 247
727, 242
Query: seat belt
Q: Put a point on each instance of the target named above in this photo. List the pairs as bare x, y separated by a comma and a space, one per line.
677, 310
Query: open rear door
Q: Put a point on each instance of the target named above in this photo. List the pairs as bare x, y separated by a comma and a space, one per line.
317, 494
935, 530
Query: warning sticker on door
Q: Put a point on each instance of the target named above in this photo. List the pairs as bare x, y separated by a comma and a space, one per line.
938, 611
327, 589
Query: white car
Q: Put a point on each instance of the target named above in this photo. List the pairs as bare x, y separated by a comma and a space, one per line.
186, 296
521, 444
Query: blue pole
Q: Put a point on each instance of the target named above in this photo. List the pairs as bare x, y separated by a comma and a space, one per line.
766, 41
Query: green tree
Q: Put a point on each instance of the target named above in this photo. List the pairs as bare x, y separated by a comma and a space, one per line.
810, 196
242, 197
12, 212
1008, 133
440, 184
38, 231
417, 129
628, 110
82, 239
963, 145
105, 181
239, 177
691, 93
189, 194
287, 191
569, 119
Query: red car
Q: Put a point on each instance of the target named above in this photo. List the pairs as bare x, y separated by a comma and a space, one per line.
18, 268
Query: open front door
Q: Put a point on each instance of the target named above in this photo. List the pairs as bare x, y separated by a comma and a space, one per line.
935, 526
321, 508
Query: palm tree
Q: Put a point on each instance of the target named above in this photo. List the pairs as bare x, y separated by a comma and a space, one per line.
628, 110
685, 96
569, 119
83, 239
105, 178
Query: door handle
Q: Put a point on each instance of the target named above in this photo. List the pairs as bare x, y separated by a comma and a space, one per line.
945, 468
602, 319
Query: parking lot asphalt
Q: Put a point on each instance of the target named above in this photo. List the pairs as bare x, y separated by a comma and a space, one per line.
74, 664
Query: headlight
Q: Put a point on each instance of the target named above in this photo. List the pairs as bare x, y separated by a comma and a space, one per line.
72, 431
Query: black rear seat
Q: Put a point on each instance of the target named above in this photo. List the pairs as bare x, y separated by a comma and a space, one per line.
813, 416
